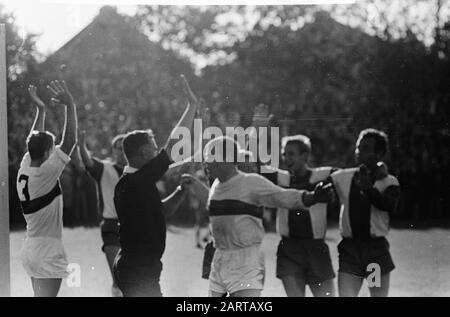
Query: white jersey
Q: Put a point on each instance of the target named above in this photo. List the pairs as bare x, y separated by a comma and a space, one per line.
306, 223
40, 195
235, 213
106, 174
355, 214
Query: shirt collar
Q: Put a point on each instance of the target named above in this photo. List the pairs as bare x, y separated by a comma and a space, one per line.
129, 170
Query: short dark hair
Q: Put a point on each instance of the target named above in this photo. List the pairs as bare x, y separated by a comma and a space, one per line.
134, 140
117, 139
381, 139
40, 142
302, 141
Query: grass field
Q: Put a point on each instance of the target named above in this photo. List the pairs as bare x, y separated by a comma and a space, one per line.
422, 258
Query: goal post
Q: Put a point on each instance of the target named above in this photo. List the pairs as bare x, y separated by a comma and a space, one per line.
4, 197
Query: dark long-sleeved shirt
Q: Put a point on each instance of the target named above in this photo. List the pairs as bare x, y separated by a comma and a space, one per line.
139, 208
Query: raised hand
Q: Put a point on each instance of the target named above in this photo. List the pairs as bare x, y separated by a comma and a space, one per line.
60, 93
261, 116
32, 90
188, 91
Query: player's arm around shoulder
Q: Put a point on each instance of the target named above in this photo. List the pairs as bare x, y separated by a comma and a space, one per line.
263, 192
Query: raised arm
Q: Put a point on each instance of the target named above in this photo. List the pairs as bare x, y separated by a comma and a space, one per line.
39, 120
205, 115
261, 119
188, 116
62, 96
85, 156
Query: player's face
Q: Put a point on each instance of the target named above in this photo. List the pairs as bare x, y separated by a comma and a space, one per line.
365, 152
293, 159
217, 169
212, 169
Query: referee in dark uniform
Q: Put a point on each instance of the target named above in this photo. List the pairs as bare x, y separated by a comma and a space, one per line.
140, 210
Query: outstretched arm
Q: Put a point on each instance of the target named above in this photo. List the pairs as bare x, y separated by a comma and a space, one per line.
39, 120
62, 96
187, 118
267, 194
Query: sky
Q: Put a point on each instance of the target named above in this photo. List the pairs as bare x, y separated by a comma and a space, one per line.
57, 21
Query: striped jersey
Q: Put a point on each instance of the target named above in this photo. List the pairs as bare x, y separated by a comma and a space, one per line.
106, 175
40, 195
235, 208
359, 217
301, 223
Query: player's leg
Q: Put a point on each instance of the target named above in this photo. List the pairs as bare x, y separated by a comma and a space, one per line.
323, 289
349, 285
247, 293
46, 287
111, 247
294, 286
378, 253
383, 289
111, 253
352, 268
320, 269
291, 263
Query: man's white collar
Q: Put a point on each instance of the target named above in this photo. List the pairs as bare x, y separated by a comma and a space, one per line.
129, 170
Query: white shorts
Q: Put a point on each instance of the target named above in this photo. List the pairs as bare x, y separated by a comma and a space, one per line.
237, 270
44, 258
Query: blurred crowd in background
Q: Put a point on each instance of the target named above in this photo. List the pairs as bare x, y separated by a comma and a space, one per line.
324, 72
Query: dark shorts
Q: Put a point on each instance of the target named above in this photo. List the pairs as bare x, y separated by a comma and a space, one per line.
110, 233
356, 255
308, 260
136, 277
